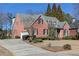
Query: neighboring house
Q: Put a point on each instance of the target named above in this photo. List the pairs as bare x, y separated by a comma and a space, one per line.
77, 24
66, 30
33, 24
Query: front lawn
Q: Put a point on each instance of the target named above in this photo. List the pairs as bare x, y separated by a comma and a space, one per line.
56, 45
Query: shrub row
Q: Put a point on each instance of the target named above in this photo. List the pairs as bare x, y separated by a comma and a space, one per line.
35, 40
70, 38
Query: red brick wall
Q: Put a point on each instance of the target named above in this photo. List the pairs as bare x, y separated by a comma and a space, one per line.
72, 32
17, 27
40, 28
66, 26
61, 34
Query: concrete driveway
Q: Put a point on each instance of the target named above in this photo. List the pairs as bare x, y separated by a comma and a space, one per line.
20, 48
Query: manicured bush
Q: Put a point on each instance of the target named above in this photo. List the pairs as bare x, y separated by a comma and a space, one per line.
5, 37
30, 40
44, 38
37, 40
51, 38
67, 47
74, 38
67, 38
70, 38
77, 36
17, 37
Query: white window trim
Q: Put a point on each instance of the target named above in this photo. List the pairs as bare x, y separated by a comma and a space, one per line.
46, 31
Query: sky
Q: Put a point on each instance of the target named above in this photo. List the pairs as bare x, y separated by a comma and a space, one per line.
32, 8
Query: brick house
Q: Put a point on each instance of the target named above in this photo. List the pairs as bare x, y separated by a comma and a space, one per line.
33, 24
39, 25
66, 30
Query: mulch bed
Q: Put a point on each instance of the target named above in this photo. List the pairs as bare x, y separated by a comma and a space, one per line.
45, 46
54, 48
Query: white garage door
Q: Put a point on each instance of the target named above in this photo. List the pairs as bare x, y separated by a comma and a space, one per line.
24, 33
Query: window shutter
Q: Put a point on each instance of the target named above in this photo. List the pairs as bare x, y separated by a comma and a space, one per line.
47, 31
43, 31
42, 21
37, 31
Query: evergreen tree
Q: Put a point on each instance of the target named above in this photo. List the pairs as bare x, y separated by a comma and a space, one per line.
60, 15
54, 10
48, 12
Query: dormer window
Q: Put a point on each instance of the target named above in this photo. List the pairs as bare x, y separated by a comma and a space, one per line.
40, 21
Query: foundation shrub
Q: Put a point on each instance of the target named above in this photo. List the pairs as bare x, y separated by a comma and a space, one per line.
35, 40
70, 38
17, 37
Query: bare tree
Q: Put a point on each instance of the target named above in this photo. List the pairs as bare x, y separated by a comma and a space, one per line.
10, 17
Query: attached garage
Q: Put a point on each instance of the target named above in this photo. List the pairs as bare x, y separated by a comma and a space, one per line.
24, 35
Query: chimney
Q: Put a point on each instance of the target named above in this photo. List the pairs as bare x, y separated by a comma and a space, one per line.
73, 20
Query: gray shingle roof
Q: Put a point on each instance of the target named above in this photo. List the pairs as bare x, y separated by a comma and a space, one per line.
73, 25
76, 23
27, 20
60, 25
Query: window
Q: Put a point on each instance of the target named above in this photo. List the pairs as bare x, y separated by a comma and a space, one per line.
65, 33
47, 21
45, 31
35, 32
40, 21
